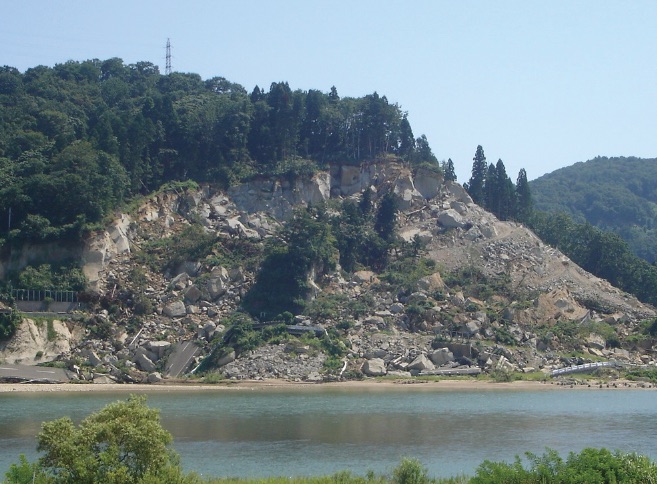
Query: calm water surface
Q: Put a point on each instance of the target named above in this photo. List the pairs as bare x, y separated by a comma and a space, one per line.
319, 430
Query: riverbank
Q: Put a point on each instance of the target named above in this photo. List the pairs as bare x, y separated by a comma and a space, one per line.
387, 385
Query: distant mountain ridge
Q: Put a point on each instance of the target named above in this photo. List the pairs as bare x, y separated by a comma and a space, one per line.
618, 194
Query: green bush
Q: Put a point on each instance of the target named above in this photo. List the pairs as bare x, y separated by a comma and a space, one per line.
9, 322
410, 471
590, 466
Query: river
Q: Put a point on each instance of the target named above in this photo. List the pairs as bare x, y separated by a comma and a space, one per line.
320, 430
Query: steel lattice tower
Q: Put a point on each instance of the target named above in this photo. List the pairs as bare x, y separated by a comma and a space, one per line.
167, 69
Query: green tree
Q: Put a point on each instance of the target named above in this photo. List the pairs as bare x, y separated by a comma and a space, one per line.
506, 197
523, 197
406, 141
450, 174
305, 248
491, 190
475, 185
385, 224
122, 443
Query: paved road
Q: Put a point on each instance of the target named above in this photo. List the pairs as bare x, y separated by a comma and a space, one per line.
26, 373
181, 358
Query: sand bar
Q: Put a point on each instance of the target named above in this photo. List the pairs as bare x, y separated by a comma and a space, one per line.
263, 385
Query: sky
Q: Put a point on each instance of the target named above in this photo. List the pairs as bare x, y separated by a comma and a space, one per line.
538, 84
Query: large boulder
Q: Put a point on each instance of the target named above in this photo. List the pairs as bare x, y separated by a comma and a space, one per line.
450, 219
159, 348
458, 192
175, 309
374, 367
145, 363
442, 356
431, 283
421, 363
192, 293
427, 182
225, 359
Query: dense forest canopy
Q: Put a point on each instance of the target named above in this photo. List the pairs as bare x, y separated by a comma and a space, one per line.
615, 194
80, 137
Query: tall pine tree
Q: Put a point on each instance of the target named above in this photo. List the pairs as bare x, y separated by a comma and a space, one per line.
450, 174
506, 202
524, 201
475, 186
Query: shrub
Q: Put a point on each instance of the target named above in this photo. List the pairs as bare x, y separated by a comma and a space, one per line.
590, 466
410, 471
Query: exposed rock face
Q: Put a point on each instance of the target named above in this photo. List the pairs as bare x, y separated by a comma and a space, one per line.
104, 247
279, 197
32, 345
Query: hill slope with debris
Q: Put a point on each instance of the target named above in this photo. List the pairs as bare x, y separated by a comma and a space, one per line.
168, 279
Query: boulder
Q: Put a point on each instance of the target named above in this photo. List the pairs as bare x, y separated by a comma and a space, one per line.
225, 359
175, 309
207, 331
376, 353
470, 328
363, 277
92, 357
596, 341
458, 192
488, 230
154, 377
460, 207
314, 377
102, 379
159, 347
442, 356
421, 363
450, 219
192, 294
216, 287
397, 308
145, 363
180, 281
374, 367
427, 182
431, 283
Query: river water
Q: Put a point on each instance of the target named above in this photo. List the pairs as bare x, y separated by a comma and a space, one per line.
320, 430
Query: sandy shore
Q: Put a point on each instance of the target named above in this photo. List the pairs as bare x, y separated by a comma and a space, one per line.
386, 385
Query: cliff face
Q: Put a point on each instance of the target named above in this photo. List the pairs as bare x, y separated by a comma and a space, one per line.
442, 326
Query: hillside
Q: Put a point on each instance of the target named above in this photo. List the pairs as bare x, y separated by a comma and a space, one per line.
81, 138
615, 194
460, 292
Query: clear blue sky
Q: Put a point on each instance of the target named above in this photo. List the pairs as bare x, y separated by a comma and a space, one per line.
540, 85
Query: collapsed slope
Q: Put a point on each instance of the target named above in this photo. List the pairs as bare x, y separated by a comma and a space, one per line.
490, 296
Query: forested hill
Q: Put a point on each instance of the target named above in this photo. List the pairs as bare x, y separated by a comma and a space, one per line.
79, 138
616, 194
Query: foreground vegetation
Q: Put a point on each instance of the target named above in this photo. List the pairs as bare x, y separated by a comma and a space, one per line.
125, 443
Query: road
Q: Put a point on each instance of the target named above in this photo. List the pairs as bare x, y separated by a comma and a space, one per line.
26, 373
181, 358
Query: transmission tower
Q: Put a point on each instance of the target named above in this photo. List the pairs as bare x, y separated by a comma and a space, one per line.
167, 69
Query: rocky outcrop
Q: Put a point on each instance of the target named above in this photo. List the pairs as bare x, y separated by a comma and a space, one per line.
280, 196
39, 341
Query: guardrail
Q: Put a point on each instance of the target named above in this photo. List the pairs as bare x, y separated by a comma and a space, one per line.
41, 295
585, 367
